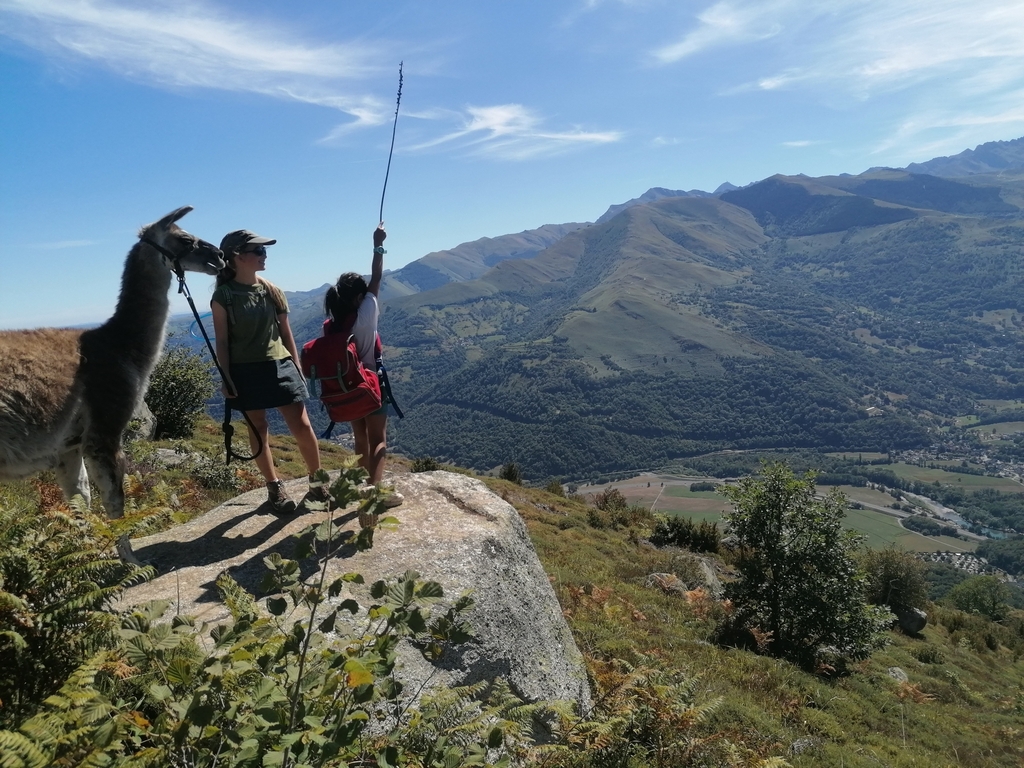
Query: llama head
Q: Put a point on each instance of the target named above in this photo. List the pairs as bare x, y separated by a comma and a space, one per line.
175, 244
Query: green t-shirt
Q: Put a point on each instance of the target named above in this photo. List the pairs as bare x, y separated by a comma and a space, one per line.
253, 332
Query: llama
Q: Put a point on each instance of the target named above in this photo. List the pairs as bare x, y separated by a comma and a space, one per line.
67, 395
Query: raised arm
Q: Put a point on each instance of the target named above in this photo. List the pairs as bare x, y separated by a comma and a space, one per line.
377, 265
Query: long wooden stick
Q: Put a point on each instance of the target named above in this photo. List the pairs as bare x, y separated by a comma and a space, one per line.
392, 151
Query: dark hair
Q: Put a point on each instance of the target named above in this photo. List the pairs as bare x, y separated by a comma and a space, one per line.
227, 274
341, 297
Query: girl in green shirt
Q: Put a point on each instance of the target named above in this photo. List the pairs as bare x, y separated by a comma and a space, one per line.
257, 353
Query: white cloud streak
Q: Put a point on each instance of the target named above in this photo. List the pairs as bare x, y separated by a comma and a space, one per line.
959, 62
724, 23
514, 132
191, 45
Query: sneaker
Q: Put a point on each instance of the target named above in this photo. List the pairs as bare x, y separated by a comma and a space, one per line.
394, 499
280, 503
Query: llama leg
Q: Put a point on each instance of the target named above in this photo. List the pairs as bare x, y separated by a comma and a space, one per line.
107, 470
71, 475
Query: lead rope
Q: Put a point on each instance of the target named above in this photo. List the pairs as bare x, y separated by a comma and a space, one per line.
226, 427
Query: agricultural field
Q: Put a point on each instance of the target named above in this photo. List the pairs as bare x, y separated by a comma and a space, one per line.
884, 530
1001, 405
881, 529
860, 455
969, 482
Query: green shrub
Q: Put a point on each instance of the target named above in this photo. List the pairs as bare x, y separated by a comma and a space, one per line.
425, 464
985, 595
800, 594
179, 387
212, 472
684, 532
928, 654
57, 582
555, 488
895, 579
610, 500
511, 472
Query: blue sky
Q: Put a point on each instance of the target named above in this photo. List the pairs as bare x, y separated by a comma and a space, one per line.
277, 117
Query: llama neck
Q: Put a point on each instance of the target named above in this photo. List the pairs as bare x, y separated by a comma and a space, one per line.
143, 305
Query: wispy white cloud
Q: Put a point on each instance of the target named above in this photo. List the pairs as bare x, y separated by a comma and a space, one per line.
800, 143
865, 45
514, 132
188, 45
724, 23
958, 61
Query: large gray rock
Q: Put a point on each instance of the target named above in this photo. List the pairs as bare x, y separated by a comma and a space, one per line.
912, 621
453, 530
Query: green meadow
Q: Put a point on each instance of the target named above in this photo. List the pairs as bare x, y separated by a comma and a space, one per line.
969, 482
881, 529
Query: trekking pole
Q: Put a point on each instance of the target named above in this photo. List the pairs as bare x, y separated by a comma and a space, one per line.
392, 151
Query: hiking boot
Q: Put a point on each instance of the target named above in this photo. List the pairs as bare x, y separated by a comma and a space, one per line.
277, 496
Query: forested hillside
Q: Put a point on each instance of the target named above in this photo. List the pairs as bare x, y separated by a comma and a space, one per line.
847, 313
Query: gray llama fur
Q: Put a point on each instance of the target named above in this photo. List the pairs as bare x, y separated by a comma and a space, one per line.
66, 396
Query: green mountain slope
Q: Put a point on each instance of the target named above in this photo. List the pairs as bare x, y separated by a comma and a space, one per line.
470, 260
772, 317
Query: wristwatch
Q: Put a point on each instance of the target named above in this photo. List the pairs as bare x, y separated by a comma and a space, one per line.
379, 249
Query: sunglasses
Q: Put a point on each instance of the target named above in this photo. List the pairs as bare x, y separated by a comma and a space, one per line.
259, 250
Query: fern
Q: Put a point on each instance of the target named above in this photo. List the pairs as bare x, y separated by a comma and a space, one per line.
57, 583
16, 751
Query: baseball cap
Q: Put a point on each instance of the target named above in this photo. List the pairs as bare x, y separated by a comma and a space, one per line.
237, 240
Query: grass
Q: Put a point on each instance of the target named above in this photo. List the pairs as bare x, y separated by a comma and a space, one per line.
988, 431
964, 710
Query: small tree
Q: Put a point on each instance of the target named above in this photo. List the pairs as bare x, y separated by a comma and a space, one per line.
986, 595
895, 579
800, 594
511, 472
179, 387
555, 488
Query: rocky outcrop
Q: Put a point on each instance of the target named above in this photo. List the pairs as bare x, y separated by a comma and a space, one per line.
452, 530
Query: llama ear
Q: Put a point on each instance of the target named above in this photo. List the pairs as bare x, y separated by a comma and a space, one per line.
173, 216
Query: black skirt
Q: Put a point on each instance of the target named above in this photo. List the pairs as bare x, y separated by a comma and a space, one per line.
267, 384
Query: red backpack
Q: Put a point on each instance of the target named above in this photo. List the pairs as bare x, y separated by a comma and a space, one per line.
348, 389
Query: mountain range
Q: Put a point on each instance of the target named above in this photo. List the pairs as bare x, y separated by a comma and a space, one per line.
841, 313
